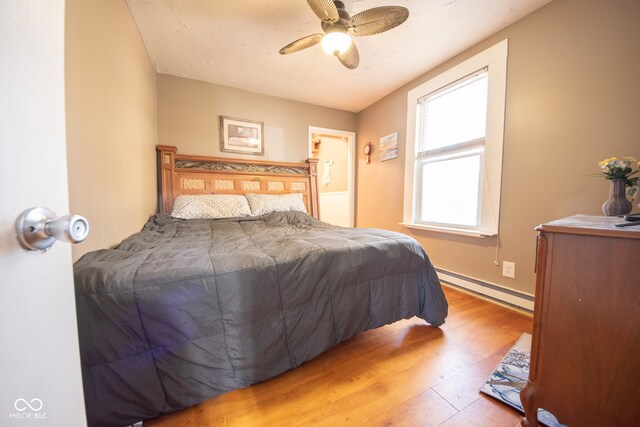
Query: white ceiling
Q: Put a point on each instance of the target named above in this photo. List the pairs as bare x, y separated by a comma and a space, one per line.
235, 43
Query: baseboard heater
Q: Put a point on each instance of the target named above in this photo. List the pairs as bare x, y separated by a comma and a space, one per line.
510, 297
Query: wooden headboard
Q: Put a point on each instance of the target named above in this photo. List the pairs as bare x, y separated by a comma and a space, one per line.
186, 174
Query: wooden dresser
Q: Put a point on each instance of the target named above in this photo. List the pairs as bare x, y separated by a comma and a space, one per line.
585, 355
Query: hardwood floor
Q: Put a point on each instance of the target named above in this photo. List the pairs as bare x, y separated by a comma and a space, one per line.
405, 374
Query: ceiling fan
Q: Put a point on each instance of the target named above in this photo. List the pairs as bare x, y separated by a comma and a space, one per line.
338, 26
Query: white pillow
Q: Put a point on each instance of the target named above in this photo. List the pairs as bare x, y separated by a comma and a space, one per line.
208, 206
265, 203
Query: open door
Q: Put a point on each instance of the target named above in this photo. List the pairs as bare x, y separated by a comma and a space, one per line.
335, 150
40, 374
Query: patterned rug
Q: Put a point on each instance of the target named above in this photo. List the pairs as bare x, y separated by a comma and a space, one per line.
511, 375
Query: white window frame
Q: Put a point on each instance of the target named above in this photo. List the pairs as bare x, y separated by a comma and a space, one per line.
495, 60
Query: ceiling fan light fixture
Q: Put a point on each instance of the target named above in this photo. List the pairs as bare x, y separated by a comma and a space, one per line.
338, 26
336, 43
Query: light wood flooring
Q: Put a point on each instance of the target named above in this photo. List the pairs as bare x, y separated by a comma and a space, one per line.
405, 374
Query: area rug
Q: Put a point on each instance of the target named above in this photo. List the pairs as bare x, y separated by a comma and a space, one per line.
511, 375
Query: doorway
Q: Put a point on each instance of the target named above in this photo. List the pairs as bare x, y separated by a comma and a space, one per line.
335, 151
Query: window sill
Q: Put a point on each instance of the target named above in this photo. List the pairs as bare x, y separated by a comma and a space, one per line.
450, 230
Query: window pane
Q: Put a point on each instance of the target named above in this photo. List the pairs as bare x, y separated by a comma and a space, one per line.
450, 190
457, 115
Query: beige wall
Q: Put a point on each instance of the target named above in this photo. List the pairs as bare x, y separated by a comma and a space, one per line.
189, 112
572, 100
111, 121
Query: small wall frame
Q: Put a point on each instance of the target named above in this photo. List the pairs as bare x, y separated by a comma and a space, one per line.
389, 147
241, 136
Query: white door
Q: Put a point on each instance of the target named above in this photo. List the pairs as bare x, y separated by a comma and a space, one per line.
335, 150
40, 379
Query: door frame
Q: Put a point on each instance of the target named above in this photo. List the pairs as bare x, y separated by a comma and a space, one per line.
351, 157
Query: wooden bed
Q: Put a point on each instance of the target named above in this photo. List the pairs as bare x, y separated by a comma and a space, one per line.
188, 309
180, 174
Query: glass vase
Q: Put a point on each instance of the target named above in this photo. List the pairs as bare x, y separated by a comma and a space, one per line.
617, 203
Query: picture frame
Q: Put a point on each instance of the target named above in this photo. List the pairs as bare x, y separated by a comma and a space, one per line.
389, 147
241, 136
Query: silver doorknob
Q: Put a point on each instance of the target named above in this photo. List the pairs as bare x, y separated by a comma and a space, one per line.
38, 228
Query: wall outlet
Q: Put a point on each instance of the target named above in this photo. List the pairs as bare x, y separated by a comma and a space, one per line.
509, 269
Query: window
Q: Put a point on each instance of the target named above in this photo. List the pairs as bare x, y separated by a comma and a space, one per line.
455, 129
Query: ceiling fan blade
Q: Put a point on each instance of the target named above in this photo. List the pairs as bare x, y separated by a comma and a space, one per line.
350, 58
325, 10
302, 43
377, 20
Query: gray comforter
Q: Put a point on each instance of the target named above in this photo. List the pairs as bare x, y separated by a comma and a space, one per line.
188, 309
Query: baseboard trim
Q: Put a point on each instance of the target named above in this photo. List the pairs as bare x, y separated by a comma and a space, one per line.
510, 297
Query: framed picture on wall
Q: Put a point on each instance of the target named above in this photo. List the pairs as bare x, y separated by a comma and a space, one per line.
389, 147
241, 136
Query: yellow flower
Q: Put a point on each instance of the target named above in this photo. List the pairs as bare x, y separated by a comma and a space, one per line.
605, 161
